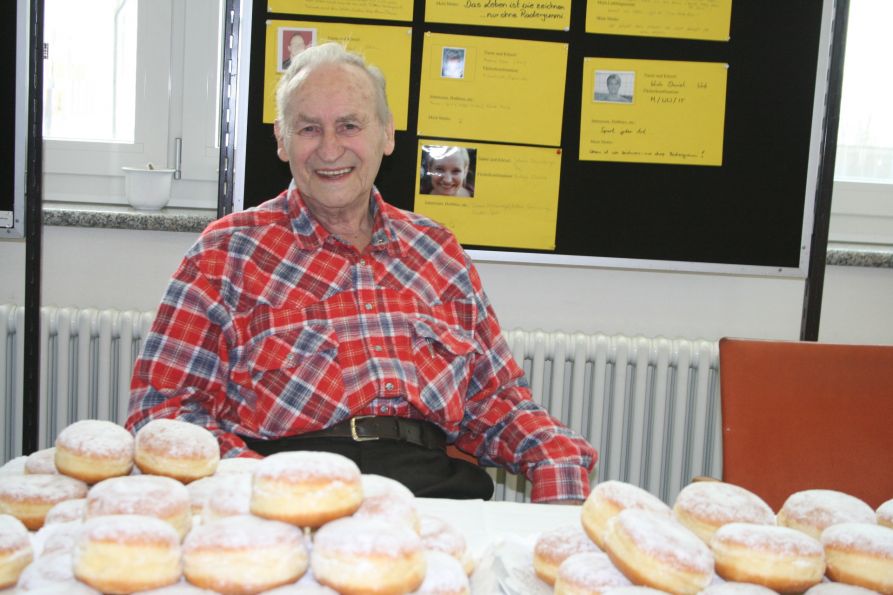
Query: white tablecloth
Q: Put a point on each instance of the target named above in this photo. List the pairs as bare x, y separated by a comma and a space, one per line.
500, 538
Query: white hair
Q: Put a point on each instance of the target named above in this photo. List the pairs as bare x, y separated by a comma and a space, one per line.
328, 54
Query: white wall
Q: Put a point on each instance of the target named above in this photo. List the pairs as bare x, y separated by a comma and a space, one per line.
108, 268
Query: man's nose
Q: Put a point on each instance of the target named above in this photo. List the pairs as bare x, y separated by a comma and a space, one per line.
329, 146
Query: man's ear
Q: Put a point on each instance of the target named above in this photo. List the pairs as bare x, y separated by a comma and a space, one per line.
389, 135
281, 150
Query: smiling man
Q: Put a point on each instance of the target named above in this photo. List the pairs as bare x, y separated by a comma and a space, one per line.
327, 319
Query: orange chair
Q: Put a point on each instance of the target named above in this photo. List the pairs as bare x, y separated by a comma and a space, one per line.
802, 415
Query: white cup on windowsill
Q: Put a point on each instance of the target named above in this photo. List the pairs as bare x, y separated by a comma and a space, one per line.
147, 188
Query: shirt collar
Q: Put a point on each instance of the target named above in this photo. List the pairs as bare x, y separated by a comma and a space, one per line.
311, 235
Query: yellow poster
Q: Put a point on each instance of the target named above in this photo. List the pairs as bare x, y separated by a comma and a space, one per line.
526, 14
684, 19
503, 90
653, 111
490, 195
386, 47
391, 10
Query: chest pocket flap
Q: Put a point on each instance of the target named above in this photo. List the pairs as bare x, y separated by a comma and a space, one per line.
291, 347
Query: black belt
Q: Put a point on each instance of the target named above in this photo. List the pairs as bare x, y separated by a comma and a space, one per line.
365, 428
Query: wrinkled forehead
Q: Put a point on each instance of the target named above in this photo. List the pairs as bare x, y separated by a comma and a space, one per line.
319, 83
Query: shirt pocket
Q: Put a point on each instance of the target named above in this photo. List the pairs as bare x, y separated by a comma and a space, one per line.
289, 368
443, 357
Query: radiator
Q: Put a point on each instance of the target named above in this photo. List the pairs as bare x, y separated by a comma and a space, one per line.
649, 405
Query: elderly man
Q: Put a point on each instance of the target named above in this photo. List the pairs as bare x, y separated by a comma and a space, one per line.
326, 319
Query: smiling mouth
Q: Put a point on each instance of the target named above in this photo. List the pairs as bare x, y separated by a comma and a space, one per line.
331, 174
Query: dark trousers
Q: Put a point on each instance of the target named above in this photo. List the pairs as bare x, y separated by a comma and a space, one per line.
428, 473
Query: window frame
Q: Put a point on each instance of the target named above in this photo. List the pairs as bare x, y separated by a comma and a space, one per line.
174, 99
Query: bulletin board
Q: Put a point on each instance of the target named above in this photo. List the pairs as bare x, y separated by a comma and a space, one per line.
735, 195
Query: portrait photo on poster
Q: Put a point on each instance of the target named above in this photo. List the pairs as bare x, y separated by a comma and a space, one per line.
452, 63
293, 41
447, 171
614, 86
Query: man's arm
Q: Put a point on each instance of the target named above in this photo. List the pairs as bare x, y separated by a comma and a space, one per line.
503, 426
181, 372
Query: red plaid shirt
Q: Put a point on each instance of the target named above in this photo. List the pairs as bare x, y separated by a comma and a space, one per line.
273, 327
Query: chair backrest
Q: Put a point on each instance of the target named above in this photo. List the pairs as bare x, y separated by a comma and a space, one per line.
803, 415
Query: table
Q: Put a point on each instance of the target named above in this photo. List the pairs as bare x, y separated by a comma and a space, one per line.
500, 537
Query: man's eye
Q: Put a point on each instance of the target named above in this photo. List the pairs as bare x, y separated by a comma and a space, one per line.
350, 128
307, 130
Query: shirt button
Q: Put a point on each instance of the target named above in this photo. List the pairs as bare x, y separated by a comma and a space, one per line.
368, 306
389, 386
363, 262
377, 348
383, 409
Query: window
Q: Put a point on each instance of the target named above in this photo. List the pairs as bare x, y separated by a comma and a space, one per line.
862, 209
125, 82
89, 83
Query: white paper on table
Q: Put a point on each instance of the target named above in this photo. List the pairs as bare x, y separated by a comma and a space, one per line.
506, 568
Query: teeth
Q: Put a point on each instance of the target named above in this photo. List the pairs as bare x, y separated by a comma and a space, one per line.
333, 172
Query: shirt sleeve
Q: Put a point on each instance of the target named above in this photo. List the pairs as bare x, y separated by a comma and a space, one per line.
503, 426
182, 368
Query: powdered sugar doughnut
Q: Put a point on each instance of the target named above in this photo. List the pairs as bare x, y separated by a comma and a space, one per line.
555, 546
443, 576
732, 588
202, 489
150, 495
884, 514
236, 465
379, 485
301, 589
439, 535
108, 546
30, 497
64, 512
388, 499
52, 573
56, 538
360, 556
608, 499
706, 506
233, 498
588, 573
92, 450
181, 588
244, 554
812, 511
779, 558
74, 587
41, 462
14, 466
15, 550
177, 449
306, 488
860, 554
633, 590
838, 589
654, 550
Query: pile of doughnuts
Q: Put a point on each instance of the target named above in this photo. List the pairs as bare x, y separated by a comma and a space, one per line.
75, 518
717, 539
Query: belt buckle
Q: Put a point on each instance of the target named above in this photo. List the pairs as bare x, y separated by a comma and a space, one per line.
353, 430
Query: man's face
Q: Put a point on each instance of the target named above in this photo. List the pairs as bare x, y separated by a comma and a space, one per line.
332, 138
613, 86
453, 67
296, 45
